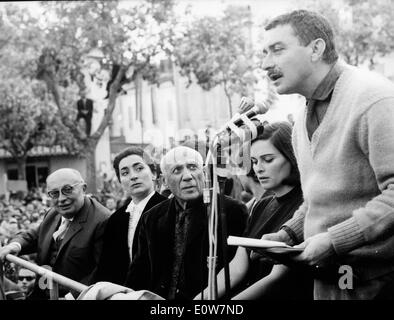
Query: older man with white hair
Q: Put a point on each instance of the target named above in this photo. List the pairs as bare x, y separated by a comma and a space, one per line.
171, 260
69, 239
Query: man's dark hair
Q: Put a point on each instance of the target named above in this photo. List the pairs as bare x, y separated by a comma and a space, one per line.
308, 26
131, 151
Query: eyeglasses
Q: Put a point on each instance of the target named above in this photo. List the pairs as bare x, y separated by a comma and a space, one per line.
28, 278
65, 190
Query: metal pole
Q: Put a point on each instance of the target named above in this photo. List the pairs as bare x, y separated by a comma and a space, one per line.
223, 238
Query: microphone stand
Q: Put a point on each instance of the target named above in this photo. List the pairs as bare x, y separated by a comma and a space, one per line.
214, 184
215, 177
224, 234
209, 197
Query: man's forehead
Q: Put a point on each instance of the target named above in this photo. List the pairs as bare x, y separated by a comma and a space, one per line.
59, 179
182, 161
183, 156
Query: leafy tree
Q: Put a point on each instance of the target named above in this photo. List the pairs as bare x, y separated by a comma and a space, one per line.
27, 114
27, 119
130, 40
364, 28
217, 51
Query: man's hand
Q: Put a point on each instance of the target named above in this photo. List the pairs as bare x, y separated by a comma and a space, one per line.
9, 248
281, 236
316, 249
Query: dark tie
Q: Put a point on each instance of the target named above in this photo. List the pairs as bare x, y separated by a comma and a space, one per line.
181, 226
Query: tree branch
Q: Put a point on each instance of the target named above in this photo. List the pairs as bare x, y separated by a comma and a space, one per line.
111, 105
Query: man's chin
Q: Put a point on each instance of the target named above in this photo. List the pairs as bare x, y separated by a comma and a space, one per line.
191, 196
65, 211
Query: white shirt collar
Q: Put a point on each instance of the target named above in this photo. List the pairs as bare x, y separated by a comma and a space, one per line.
141, 205
63, 218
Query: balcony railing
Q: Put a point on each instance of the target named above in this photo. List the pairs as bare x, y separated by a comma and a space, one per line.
52, 278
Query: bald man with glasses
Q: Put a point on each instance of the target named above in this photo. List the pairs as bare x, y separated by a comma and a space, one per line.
70, 237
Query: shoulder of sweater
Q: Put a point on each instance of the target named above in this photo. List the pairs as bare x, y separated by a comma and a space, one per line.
368, 85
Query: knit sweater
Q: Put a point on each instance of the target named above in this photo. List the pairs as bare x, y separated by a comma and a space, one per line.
347, 174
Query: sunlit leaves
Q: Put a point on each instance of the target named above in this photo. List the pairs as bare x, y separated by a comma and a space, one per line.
364, 28
28, 117
215, 50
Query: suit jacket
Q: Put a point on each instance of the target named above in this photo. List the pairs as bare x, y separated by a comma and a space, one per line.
81, 246
152, 265
115, 257
88, 106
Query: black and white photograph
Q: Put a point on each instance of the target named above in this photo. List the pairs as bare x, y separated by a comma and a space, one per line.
207, 157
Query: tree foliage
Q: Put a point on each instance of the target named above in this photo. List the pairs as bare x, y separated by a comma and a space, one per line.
20, 41
28, 116
130, 39
53, 46
364, 28
217, 51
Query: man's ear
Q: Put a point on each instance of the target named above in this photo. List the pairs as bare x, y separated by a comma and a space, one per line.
84, 187
318, 47
163, 180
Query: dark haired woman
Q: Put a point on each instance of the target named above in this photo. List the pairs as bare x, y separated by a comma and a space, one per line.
275, 166
137, 172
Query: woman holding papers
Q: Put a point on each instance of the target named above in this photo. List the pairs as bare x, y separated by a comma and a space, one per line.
275, 166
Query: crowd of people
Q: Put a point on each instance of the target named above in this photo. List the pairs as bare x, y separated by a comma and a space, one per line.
20, 212
323, 187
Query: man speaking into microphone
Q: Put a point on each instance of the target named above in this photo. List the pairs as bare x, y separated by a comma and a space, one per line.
345, 152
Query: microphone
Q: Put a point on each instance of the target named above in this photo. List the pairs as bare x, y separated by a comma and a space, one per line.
242, 128
243, 124
232, 143
249, 108
258, 108
245, 132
